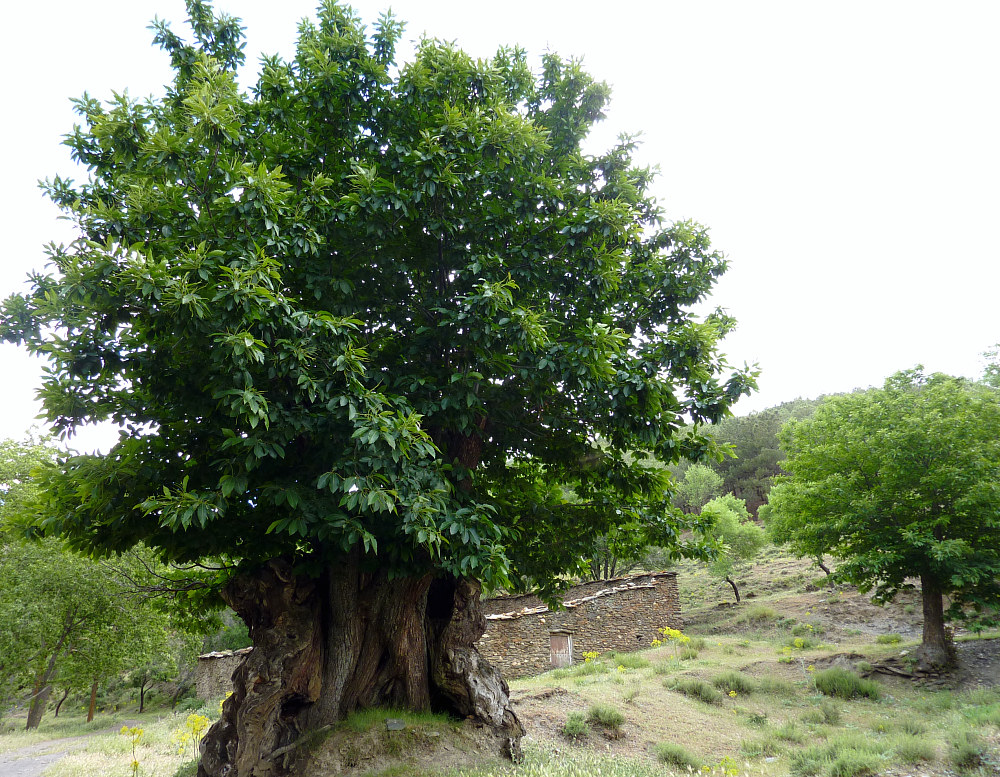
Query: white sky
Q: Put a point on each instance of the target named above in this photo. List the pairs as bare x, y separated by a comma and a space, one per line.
846, 155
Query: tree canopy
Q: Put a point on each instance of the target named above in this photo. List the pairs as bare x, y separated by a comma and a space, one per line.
365, 308
901, 482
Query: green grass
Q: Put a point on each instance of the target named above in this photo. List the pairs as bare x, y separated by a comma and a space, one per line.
576, 726
843, 684
629, 660
586, 669
912, 749
888, 639
676, 755
734, 681
606, 716
761, 747
966, 749
695, 689
825, 713
790, 731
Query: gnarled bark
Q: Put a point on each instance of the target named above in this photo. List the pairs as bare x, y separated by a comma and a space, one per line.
350, 639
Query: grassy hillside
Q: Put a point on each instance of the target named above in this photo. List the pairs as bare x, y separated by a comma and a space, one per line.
782, 684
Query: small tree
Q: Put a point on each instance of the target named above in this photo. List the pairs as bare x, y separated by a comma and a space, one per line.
902, 482
739, 536
699, 484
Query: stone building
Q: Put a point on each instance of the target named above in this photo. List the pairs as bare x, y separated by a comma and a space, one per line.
524, 637
214, 677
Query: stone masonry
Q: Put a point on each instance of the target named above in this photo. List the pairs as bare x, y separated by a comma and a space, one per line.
214, 676
524, 637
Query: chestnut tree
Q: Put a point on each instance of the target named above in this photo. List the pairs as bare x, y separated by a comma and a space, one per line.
357, 325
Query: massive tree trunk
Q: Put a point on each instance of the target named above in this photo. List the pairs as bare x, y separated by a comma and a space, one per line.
935, 650
350, 639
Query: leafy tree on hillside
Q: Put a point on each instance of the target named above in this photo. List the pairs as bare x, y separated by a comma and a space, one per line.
355, 325
738, 535
902, 482
699, 484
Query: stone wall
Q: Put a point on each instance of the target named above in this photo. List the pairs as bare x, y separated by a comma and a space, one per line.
214, 678
622, 614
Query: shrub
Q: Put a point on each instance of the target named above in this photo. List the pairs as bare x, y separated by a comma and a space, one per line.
697, 643
606, 716
888, 639
676, 755
966, 749
576, 726
696, 689
687, 654
912, 749
845, 685
734, 681
807, 630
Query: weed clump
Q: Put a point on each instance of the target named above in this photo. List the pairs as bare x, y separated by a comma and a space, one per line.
758, 615
888, 639
676, 755
966, 750
843, 684
855, 763
826, 713
912, 727
575, 727
760, 748
789, 731
606, 716
696, 689
734, 681
775, 686
585, 669
628, 660
912, 749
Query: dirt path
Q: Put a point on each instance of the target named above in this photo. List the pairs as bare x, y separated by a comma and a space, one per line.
31, 761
